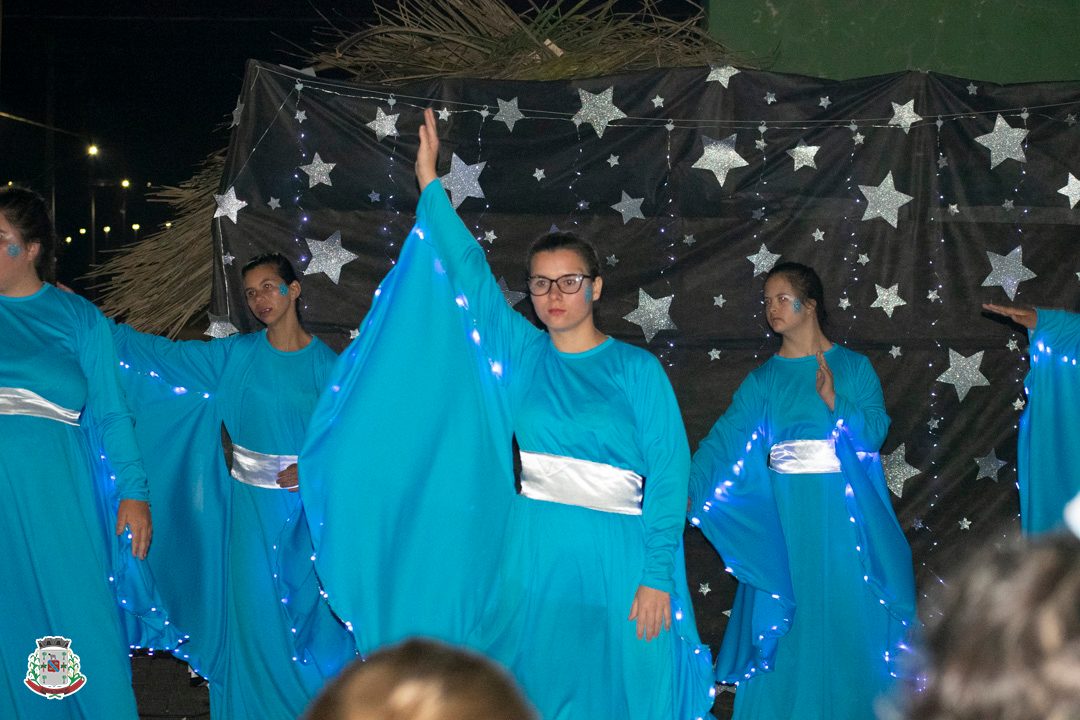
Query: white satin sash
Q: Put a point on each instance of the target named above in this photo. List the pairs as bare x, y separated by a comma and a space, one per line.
259, 469
20, 401
804, 457
570, 481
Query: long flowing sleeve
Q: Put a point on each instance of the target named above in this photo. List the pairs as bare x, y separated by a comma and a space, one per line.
194, 365
860, 406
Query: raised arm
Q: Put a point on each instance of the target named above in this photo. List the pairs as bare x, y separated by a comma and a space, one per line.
191, 364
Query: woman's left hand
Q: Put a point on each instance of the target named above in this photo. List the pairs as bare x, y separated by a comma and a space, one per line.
135, 515
825, 386
652, 610
289, 478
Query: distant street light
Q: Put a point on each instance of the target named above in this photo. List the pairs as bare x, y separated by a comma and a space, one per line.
135, 227
107, 229
92, 150
82, 231
68, 239
125, 183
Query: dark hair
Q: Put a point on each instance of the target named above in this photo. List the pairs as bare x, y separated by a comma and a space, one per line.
282, 266
565, 241
421, 680
1006, 644
29, 215
807, 286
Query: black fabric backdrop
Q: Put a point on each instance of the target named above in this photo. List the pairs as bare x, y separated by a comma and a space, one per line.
692, 241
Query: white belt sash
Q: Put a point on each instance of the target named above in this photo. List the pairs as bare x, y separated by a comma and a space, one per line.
259, 469
804, 457
588, 484
20, 401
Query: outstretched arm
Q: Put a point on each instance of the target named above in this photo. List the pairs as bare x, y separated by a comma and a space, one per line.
1028, 317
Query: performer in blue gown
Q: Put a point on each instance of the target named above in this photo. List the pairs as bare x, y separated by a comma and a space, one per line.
789, 488
1048, 477
589, 607
237, 547
71, 532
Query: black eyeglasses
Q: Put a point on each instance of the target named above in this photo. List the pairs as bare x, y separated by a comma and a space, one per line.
568, 284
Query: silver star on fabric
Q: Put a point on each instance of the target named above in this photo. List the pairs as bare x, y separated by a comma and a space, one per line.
760, 144
613, 160
513, 297
490, 237
818, 235
508, 112
1008, 205
844, 303
917, 524
1070, 119
888, 299
719, 157
327, 256
704, 588
539, 174
933, 423
770, 98
904, 115
354, 333
964, 524
803, 155
1004, 142
825, 102
718, 301
444, 114
689, 239
228, 205
598, 110
972, 88
658, 102
895, 351
721, 75
612, 260
897, 470
629, 208
220, 326
374, 197
964, 373
273, 203
1018, 404
1013, 345
227, 259
933, 296
989, 465
318, 172
1071, 190
300, 116
1008, 271
884, 200
763, 260
942, 161
857, 138
652, 314
236, 113
863, 259
384, 124
954, 209
463, 180
714, 354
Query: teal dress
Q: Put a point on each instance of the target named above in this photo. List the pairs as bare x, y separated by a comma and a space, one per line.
826, 596
1049, 473
65, 573
545, 587
239, 554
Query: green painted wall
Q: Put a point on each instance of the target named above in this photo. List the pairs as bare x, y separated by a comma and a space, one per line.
1004, 41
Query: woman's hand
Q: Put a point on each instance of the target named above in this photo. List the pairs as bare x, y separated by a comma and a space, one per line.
1027, 317
135, 515
289, 478
825, 387
428, 153
651, 609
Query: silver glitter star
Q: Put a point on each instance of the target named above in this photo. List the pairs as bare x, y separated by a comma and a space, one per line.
863, 259
273, 203
598, 110
718, 301
629, 208
463, 181
228, 205
374, 197
803, 155
327, 256
714, 354
719, 157
1018, 404
1013, 345
354, 333
539, 174
300, 116
857, 138
384, 124
964, 524
758, 214
658, 102
942, 161
689, 239
760, 144
236, 113
318, 172
721, 75
227, 259
884, 200
897, 470
818, 234
933, 423
704, 588
844, 303
1008, 205
613, 160
825, 102
972, 88
917, 524
513, 297
508, 112
652, 314
888, 299
770, 98
763, 260
954, 209
1070, 119
612, 260
1004, 142
989, 465
932, 296
1008, 271
490, 237
444, 114
1071, 190
904, 115
220, 326
964, 373
895, 351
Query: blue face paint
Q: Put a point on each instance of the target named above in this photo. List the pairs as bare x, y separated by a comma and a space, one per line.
13, 250
588, 294
796, 305
283, 289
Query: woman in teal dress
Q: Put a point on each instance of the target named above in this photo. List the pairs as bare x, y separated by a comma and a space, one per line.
61, 411
236, 544
789, 488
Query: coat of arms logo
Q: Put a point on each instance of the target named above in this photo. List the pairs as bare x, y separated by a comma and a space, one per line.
53, 669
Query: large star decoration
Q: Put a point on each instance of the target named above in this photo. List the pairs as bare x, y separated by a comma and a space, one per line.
803, 155
1008, 271
318, 172
888, 299
220, 326
719, 157
327, 257
652, 314
1004, 142
964, 373
989, 465
463, 181
722, 74
513, 297
508, 112
598, 110
384, 124
629, 208
763, 260
904, 115
884, 200
228, 205
897, 470
1071, 190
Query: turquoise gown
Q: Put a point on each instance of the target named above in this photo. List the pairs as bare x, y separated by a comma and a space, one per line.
553, 602
827, 596
1049, 472
239, 555
65, 572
